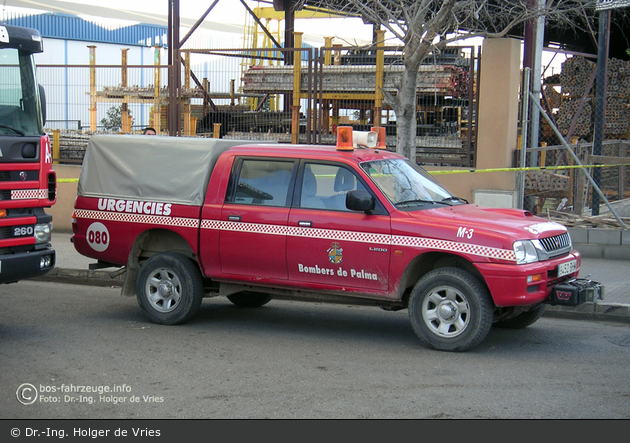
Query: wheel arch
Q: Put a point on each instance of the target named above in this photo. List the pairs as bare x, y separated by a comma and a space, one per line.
148, 244
425, 263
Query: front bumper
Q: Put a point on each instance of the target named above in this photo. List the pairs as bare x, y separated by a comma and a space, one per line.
22, 265
528, 284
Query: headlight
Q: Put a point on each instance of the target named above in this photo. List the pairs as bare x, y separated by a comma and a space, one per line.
43, 232
525, 252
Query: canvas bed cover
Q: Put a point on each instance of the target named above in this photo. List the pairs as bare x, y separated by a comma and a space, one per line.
162, 168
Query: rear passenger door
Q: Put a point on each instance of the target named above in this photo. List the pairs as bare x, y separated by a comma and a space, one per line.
252, 240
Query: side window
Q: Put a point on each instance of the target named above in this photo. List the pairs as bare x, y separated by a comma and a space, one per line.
325, 186
262, 182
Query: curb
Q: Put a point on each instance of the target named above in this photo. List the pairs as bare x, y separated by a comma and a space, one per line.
82, 277
600, 311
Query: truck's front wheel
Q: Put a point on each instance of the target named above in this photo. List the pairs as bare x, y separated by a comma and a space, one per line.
450, 310
169, 288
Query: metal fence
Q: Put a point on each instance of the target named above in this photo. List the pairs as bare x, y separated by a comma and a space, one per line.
566, 175
289, 95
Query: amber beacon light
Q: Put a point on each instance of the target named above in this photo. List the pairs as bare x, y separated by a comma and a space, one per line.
344, 138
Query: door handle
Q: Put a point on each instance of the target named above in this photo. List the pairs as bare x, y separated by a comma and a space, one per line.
234, 218
305, 224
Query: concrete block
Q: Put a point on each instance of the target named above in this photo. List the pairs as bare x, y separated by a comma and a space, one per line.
582, 312
604, 236
619, 312
616, 252
102, 278
625, 238
590, 250
579, 235
78, 276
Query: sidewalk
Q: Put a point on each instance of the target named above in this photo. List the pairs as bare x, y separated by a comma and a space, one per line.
614, 274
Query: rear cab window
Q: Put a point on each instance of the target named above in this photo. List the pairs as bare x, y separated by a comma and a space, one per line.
265, 182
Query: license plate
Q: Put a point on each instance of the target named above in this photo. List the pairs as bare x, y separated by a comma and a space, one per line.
567, 268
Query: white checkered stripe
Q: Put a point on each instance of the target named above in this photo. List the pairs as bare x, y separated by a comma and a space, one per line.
362, 237
138, 218
24, 194
254, 228
466, 248
328, 234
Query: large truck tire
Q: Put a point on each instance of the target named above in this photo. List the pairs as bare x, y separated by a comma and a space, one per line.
169, 288
450, 310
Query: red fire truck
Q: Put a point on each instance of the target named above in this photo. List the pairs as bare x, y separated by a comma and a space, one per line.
190, 218
27, 180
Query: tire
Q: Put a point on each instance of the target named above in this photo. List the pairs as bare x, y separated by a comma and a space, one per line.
247, 299
169, 289
522, 320
450, 310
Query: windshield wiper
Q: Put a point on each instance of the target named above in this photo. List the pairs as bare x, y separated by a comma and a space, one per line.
421, 202
12, 129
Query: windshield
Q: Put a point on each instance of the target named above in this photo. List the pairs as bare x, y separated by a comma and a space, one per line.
406, 185
20, 112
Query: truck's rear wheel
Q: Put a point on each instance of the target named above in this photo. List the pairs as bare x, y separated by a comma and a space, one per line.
247, 299
450, 310
169, 288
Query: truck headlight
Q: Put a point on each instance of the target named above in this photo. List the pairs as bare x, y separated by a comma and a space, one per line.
43, 232
525, 252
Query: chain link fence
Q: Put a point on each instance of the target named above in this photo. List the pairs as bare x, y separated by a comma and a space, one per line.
563, 167
287, 95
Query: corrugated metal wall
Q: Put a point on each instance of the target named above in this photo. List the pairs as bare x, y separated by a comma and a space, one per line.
71, 27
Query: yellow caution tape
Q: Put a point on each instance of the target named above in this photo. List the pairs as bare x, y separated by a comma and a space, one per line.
465, 171
532, 168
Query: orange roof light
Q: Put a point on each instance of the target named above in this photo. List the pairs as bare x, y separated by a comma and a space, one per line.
380, 140
344, 138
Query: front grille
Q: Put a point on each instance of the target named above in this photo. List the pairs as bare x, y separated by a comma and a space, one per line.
6, 232
5, 176
556, 243
5, 195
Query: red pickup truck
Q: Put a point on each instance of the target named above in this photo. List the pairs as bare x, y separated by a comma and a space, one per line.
189, 218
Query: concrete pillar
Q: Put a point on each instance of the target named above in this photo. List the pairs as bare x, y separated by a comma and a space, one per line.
498, 102
497, 123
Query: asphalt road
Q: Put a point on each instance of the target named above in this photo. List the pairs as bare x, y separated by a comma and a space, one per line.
84, 352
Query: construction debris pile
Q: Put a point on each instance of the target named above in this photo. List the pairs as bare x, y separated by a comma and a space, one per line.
575, 100
603, 221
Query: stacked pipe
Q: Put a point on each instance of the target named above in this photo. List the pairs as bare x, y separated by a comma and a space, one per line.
566, 113
574, 78
447, 80
542, 181
575, 75
618, 91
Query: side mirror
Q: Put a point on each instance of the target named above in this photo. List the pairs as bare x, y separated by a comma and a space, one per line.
42, 103
358, 200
